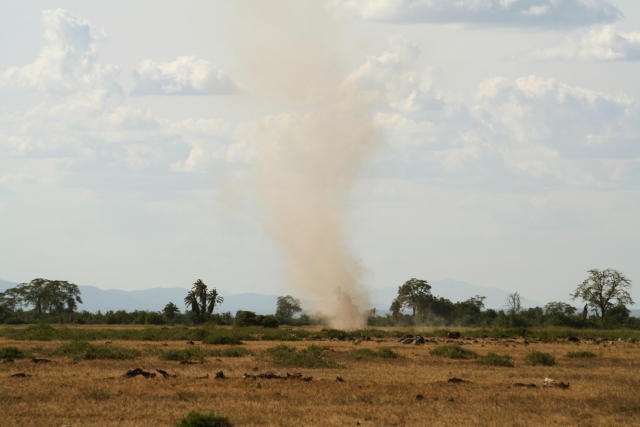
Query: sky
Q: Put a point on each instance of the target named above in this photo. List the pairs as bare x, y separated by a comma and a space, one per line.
149, 144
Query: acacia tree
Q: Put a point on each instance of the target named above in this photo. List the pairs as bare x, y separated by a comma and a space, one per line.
513, 303
45, 296
603, 290
287, 306
413, 294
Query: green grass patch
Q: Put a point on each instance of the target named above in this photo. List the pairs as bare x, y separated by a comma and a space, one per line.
492, 359
13, 353
310, 357
197, 352
539, 358
219, 339
366, 353
581, 354
196, 419
453, 352
82, 350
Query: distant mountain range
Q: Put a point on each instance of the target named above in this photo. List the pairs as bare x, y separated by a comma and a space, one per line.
155, 299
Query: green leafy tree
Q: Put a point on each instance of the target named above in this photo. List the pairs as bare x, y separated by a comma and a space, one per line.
170, 311
45, 296
414, 294
558, 308
603, 290
287, 307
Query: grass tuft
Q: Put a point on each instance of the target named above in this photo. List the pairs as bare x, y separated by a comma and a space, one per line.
453, 352
539, 358
82, 350
196, 352
492, 359
196, 419
580, 354
13, 353
384, 352
310, 357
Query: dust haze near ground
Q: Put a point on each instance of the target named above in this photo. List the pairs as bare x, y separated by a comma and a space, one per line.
307, 157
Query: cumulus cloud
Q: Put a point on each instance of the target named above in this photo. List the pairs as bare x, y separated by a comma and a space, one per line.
67, 62
526, 13
599, 44
184, 76
512, 132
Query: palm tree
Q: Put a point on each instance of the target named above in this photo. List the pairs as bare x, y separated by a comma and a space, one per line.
170, 310
200, 290
192, 300
213, 299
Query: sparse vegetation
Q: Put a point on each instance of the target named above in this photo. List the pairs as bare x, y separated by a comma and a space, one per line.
310, 357
581, 354
365, 353
11, 352
196, 419
492, 359
82, 350
539, 358
453, 352
197, 352
219, 339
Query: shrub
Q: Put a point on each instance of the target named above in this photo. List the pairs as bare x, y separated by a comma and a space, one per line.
270, 321
384, 352
310, 357
195, 352
453, 352
12, 353
580, 354
539, 358
196, 419
222, 340
492, 359
82, 350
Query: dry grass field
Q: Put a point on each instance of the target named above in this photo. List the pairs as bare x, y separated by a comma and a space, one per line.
604, 390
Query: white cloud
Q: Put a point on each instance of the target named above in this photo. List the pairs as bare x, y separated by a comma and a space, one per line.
599, 44
68, 61
527, 131
527, 13
184, 76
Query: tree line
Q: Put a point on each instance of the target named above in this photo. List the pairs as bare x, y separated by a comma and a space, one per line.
605, 295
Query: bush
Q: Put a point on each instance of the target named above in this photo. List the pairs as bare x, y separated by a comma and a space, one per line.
270, 321
453, 352
12, 353
82, 350
222, 340
310, 357
492, 359
196, 419
539, 358
195, 352
580, 354
384, 352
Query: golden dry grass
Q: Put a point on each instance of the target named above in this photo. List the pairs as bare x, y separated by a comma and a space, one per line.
376, 392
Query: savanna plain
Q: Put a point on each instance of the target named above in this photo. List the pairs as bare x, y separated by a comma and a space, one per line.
76, 376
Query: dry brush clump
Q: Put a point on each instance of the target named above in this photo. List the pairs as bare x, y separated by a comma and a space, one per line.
311, 357
453, 352
539, 358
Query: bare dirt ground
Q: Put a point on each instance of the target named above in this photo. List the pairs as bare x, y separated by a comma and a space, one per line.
374, 392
